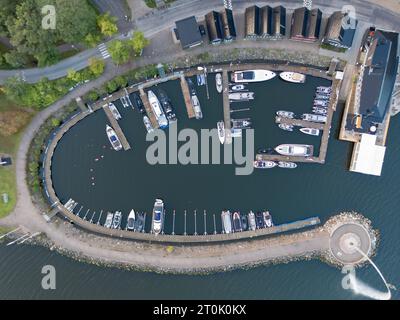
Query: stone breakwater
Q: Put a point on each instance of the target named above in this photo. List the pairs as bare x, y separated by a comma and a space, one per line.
322, 243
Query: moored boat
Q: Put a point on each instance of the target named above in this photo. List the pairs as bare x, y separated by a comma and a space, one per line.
287, 165
241, 123
251, 217
138, 103
294, 150
114, 111
294, 77
322, 89
252, 75
116, 224
109, 220
113, 138
226, 221
158, 216
284, 126
221, 131
244, 222
194, 100
267, 219
237, 222
314, 117
241, 96
147, 124
259, 220
264, 164
238, 87
130, 223
218, 82
167, 106
236, 133
139, 223
157, 109
285, 114
310, 131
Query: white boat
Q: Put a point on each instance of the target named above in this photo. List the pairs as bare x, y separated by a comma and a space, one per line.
314, 117
267, 219
252, 75
241, 123
116, 224
236, 132
284, 126
109, 220
130, 224
218, 82
251, 218
321, 103
310, 131
196, 107
147, 124
157, 109
321, 111
238, 87
263, 164
303, 150
226, 221
241, 96
324, 89
287, 165
114, 111
294, 77
112, 137
158, 216
285, 114
221, 131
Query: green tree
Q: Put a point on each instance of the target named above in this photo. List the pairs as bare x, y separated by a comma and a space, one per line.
16, 59
92, 39
96, 66
120, 51
7, 11
107, 24
139, 42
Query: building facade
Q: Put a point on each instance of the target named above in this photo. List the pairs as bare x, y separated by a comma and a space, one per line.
306, 24
340, 30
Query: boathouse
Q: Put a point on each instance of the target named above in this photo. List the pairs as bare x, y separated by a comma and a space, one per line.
265, 22
306, 24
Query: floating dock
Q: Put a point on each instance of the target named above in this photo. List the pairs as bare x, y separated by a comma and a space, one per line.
299, 123
186, 97
148, 108
117, 128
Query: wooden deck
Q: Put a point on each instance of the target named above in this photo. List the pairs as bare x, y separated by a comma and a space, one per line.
300, 123
226, 107
186, 97
117, 128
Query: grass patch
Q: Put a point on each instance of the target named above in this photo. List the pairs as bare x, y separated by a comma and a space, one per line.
332, 48
9, 145
151, 3
4, 230
68, 54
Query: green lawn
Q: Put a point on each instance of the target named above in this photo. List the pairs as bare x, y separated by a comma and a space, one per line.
8, 145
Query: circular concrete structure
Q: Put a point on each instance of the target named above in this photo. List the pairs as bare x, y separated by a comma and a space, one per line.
346, 238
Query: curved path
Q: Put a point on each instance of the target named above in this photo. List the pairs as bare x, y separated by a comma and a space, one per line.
159, 20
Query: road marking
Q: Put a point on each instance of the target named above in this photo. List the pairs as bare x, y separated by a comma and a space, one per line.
103, 51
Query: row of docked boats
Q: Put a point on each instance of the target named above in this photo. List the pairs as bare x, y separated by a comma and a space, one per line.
162, 109
306, 116
259, 75
236, 130
236, 222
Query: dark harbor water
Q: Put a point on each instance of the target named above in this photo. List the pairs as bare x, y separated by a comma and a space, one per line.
124, 180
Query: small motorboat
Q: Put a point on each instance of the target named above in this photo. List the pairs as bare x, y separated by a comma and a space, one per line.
267, 219
109, 220
252, 221
244, 222
310, 131
287, 165
241, 96
259, 220
130, 224
147, 124
221, 131
285, 114
284, 126
218, 82
114, 111
264, 164
116, 224
266, 151
237, 222
238, 87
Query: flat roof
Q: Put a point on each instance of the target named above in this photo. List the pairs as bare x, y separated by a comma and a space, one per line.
368, 157
188, 32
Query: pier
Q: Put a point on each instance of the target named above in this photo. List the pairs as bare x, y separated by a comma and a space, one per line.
300, 123
226, 106
186, 97
149, 110
117, 128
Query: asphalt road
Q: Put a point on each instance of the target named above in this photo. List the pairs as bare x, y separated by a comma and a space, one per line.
158, 20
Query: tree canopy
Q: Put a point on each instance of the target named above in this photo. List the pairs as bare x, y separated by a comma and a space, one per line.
120, 51
139, 42
107, 24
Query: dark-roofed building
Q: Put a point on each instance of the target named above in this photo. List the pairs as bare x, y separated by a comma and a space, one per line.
214, 27
252, 22
378, 80
228, 25
340, 30
306, 24
265, 22
188, 33
279, 22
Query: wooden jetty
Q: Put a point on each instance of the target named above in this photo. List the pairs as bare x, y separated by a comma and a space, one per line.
186, 97
117, 128
149, 110
226, 107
